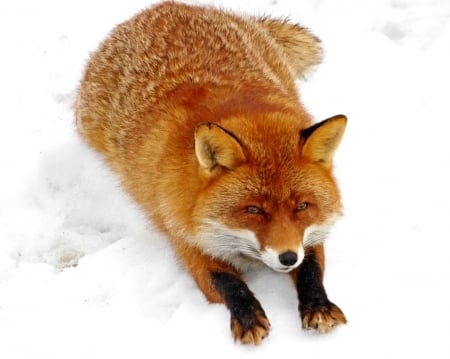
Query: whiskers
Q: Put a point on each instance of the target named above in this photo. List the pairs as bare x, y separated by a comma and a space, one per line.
317, 233
235, 246
314, 237
229, 244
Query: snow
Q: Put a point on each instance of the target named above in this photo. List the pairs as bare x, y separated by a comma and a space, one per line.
82, 273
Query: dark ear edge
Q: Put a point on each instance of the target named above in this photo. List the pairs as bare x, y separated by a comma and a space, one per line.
305, 133
216, 146
211, 124
320, 141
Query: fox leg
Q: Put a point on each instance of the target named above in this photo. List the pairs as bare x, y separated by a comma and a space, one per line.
221, 283
249, 323
316, 311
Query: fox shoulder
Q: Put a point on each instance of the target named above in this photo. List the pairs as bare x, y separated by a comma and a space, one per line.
301, 46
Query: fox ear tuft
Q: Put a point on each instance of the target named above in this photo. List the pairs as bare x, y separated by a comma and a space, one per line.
321, 140
215, 146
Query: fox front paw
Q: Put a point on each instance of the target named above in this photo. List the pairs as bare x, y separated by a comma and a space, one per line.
249, 324
250, 328
322, 317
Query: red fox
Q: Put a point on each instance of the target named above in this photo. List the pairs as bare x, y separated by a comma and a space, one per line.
197, 111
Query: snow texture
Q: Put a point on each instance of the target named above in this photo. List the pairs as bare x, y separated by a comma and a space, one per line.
84, 275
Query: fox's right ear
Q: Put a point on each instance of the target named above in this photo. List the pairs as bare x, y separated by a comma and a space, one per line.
215, 146
321, 140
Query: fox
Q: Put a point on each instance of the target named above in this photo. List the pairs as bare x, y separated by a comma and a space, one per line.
197, 111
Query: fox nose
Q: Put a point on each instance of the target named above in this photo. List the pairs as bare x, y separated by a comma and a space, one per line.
288, 258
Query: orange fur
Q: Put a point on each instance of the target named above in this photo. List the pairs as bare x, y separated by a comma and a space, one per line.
197, 111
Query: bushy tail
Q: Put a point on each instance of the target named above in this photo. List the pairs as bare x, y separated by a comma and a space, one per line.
302, 47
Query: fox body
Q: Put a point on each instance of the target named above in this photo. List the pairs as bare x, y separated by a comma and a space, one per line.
197, 111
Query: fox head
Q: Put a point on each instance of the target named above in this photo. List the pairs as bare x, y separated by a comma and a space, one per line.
268, 191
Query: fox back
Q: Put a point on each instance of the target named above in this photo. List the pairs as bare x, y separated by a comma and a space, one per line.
197, 110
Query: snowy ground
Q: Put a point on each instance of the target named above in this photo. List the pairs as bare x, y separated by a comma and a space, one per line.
386, 68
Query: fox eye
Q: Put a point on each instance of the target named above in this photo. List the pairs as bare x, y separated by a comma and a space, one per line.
254, 210
302, 206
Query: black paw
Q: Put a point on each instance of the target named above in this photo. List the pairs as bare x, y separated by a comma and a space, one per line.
249, 324
251, 327
323, 316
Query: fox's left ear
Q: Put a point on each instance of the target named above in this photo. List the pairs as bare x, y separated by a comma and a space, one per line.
217, 147
321, 140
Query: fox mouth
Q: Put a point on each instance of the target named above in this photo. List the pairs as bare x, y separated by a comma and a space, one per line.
255, 256
272, 259
282, 269
238, 246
